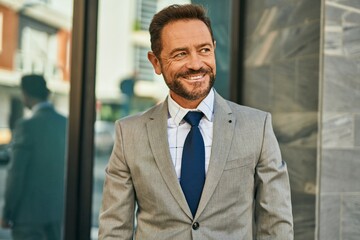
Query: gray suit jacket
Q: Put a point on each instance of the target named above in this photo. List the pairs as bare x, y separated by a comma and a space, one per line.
35, 182
246, 193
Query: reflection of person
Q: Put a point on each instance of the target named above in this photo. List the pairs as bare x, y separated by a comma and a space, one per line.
245, 192
35, 183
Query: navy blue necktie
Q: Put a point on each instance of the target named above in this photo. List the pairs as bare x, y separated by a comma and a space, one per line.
193, 162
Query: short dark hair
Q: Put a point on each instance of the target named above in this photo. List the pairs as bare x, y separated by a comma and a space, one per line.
35, 86
173, 13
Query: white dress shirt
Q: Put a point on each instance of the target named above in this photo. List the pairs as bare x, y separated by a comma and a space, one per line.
178, 129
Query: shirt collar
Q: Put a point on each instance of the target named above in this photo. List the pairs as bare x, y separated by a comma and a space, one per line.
40, 105
206, 106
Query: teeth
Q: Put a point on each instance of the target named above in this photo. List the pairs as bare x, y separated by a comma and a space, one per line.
195, 77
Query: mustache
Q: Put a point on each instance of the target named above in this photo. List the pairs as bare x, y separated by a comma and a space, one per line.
192, 72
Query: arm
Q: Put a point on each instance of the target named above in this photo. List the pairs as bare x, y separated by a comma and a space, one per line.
21, 156
273, 213
118, 206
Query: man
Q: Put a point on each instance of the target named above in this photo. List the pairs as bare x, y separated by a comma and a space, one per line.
244, 188
35, 182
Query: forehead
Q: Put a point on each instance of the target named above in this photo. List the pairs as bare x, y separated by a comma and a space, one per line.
184, 32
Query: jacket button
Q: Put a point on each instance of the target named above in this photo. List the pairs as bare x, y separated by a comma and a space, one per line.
195, 226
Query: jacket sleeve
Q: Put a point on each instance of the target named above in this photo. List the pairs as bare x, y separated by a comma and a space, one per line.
273, 212
116, 219
20, 160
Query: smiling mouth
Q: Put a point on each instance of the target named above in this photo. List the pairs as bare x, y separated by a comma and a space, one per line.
194, 77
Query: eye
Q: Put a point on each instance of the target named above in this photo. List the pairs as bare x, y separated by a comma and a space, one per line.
180, 55
205, 50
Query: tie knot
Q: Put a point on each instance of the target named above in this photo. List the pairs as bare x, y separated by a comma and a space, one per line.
193, 118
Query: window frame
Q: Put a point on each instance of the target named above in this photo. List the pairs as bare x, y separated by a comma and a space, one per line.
81, 121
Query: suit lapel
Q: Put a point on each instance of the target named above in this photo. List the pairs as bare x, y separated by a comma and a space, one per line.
223, 131
157, 133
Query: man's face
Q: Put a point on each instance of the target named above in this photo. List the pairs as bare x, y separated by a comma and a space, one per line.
187, 61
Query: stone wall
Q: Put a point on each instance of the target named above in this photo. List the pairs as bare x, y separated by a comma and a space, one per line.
281, 75
303, 65
339, 179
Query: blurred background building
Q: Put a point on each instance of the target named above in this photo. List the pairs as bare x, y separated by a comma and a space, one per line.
299, 60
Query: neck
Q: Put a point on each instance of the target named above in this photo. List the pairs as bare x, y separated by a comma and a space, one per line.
185, 103
34, 103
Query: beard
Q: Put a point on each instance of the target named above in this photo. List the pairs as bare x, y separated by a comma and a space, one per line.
177, 86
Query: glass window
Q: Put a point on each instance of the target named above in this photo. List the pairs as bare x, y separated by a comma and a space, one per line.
34, 42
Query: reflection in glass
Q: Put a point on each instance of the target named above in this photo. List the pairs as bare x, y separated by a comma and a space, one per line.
34, 39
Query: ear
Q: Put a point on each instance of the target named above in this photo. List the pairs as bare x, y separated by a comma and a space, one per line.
214, 44
155, 62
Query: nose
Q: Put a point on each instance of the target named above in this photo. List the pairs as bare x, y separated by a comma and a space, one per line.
194, 62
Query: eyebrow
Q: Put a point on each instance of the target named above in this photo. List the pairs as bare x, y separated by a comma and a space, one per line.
180, 49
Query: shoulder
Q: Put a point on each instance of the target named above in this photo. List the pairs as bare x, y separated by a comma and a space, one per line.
24, 122
48, 113
60, 116
250, 117
245, 110
240, 111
